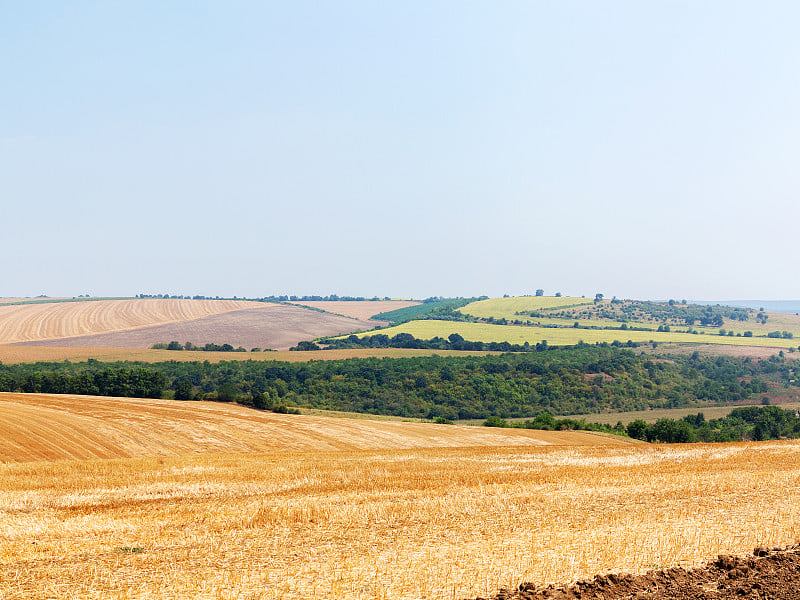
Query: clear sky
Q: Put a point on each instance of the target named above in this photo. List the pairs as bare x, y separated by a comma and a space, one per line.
638, 149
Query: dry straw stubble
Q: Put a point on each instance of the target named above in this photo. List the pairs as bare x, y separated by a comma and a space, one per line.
448, 523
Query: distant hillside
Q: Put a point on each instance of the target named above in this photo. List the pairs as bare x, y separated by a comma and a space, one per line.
142, 322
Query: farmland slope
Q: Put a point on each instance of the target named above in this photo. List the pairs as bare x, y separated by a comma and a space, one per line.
33, 322
509, 308
263, 325
52, 427
566, 336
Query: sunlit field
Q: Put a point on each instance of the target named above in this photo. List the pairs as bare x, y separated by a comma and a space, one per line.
566, 336
509, 307
436, 523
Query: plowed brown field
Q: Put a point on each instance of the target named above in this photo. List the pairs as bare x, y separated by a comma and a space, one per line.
30, 322
53, 427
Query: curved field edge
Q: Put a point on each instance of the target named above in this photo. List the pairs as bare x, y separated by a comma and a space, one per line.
53, 427
403, 524
565, 336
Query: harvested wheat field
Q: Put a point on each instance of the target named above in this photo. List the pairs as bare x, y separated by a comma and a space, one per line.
391, 524
143, 322
358, 309
54, 427
33, 322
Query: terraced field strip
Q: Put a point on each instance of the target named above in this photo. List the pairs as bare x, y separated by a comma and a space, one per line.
561, 336
357, 309
27, 354
396, 524
508, 308
32, 322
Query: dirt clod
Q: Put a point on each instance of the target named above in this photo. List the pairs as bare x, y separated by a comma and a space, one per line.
767, 574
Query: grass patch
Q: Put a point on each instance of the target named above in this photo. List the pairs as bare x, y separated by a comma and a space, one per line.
507, 308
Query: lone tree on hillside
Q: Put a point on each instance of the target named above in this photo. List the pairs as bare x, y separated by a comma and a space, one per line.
598, 297
540, 292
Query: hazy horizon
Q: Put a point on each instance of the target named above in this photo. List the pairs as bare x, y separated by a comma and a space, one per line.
426, 148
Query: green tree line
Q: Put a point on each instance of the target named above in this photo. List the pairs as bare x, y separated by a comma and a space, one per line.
584, 379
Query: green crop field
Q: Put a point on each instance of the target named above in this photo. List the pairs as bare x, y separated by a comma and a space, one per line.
507, 308
561, 336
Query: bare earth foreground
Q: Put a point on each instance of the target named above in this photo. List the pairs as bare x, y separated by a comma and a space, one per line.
768, 573
447, 522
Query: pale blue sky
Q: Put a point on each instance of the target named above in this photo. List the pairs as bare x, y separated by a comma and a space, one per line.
639, 149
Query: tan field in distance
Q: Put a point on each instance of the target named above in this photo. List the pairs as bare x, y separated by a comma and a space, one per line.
57, 427
33, 322
22, 354
10, 300
358, 309
140, 323
439, 524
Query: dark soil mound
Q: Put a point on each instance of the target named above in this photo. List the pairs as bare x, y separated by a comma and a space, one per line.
768, 574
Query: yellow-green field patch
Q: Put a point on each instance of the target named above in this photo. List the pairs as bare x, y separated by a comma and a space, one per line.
507, 308
560, 336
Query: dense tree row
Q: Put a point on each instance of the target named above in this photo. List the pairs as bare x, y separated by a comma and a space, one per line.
281, 298
585, 379
189, 346
406, 340
745, 423
93, 378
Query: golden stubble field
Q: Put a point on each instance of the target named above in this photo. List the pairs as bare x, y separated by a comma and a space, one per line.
401, 524
37, 427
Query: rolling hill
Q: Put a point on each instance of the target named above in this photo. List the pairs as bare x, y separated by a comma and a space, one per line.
139, 323
58, 427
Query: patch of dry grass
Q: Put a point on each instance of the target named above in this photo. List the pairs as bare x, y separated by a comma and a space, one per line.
394, 524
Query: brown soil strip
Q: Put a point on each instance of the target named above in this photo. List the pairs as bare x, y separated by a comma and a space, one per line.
766, 574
